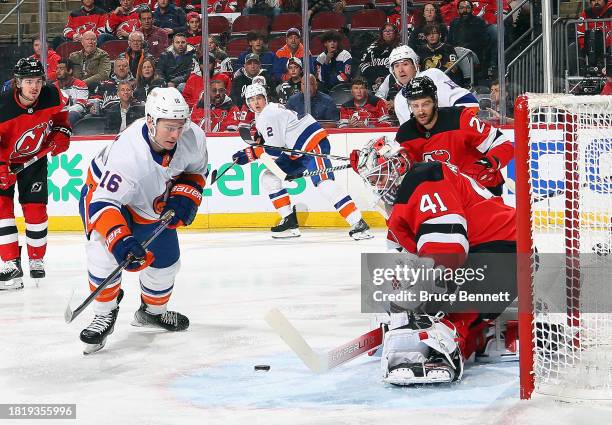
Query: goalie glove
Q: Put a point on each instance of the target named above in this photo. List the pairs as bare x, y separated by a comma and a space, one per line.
124, 246
184, 199
59, 139
485, 171
250, 154
7, 179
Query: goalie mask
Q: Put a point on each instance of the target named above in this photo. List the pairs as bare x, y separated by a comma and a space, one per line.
382, 164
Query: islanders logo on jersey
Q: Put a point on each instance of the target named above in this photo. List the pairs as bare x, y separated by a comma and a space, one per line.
440, 155
159, 202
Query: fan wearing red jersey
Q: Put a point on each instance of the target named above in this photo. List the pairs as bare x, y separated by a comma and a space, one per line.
33, 117
442, 219
454, 135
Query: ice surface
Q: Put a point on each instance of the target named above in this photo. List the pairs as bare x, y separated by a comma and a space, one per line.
228, 281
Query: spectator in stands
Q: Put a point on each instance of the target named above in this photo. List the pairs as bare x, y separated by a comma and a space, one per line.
75, 90
91, 64
169, 18
155, 37
257, 44
429, 15
291, 6
293, 48
121, 22
125, 112
135, 53
269, 8
214, 47
470, 31
374, 64
316, 6
387, 92
52, 57
293, 85
598, 9
607, 88
436, 54
364, 110
322, 106
494, 110
244, 77
106, 90
448, 11
394, 16
222, 6
333, 65
146, 80
224, 115
195, 82
487, 10
88, 17
176, 63
194, 31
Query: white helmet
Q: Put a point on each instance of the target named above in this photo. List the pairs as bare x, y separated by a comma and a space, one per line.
403, 52
168, 103
382, 163
253, 90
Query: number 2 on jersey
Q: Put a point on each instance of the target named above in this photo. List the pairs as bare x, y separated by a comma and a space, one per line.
427, 204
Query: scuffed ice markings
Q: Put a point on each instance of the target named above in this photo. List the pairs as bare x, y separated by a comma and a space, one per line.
290, 385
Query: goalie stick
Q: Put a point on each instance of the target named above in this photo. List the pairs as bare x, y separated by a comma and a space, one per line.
320, 363
70, 315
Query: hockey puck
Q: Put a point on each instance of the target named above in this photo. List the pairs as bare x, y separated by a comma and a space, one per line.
264, 367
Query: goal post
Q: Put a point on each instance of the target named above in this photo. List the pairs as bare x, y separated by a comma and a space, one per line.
563, 152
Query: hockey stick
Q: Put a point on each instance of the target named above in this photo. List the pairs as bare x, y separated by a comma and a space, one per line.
70, 315
265, 159
245, 134
317, 172
215, 176
320, 363
17, 168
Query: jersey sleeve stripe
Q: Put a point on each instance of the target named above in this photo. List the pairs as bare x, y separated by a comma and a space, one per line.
448, 219
310, 137
444, 238
450, 229
468, 100
494, 138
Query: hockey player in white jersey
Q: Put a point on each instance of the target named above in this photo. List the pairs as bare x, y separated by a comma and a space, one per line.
282, 127
157, 164
404, 66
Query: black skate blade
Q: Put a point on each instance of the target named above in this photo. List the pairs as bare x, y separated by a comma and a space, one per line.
362, 236
93, 348
290, 233
15, 285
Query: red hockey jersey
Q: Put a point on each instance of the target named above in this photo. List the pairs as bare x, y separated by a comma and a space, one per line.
224, 117
458, 137
24, 129
82, 20
442, 214
373, 113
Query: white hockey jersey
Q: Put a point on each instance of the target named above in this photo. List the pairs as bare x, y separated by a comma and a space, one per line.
282, 127
449, 94
128, 172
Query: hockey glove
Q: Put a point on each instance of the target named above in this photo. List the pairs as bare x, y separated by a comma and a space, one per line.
7, 179
184, 199
59, 139
124, 246
484, 171
247, 155
354, 160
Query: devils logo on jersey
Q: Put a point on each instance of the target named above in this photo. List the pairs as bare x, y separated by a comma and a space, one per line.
30, 141
440, 155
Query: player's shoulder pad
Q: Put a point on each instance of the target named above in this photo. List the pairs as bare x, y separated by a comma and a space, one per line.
419, 173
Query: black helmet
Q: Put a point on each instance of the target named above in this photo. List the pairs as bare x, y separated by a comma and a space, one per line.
419, 88
28, 67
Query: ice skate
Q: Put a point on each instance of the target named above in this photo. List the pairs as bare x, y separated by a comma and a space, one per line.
170, 320
360, 231
37, 269
11, 275
287, 228
94, 336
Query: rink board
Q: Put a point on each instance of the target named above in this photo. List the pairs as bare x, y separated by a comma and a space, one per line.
238, 199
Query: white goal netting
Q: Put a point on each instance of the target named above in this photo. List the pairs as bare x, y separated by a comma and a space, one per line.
570, 168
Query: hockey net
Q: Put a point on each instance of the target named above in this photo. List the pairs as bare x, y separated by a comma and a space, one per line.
564, 212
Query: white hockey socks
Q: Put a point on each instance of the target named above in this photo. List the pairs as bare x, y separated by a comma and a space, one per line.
342, 202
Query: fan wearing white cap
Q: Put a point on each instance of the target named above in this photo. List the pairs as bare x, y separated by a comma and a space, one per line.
157, 164
283, 128
404, 66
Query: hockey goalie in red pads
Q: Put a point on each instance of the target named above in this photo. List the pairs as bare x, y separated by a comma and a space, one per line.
441, 219
33, 119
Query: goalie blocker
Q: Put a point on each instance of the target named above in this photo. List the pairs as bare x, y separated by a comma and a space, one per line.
441, 218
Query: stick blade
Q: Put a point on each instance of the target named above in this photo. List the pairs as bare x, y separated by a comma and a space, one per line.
68, 314
277, 321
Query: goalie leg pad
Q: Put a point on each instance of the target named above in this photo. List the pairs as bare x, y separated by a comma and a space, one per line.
421, 356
